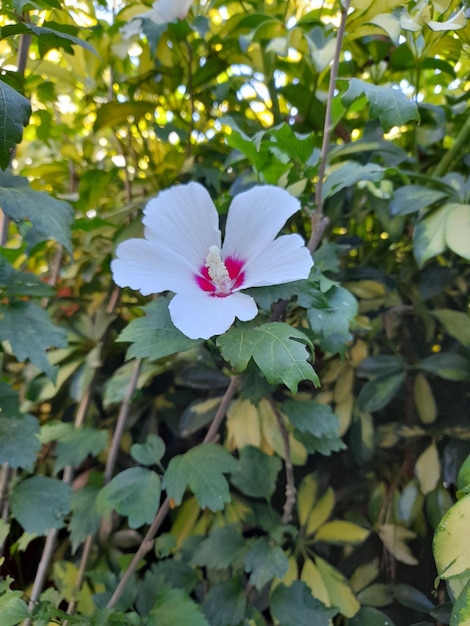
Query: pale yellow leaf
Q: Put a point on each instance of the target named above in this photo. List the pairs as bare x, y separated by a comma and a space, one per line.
344, 411
243, 425
393, 538
306, 496
344, 383
428, 469
457, 230
364, 575
272, 435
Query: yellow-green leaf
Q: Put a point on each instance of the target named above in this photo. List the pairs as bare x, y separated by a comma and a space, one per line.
428, 469
339, 591
321, 511
393, 538
456, 324
451, 543
457, 230
342, 533
313, 579
306, 496
424, 400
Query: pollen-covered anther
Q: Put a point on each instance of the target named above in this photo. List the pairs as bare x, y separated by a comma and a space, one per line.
217, 270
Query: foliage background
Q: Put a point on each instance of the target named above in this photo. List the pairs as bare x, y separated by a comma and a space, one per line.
315, 504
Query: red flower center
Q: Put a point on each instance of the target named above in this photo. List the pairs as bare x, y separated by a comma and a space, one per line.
220, 278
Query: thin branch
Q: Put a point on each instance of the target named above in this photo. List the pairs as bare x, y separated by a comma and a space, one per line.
291, 491
319, 221
147, 542
121, 423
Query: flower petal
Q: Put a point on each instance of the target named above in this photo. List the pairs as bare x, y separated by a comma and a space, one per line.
164, 11
150, 268
254, 219
200, 316
284, 260
184, 220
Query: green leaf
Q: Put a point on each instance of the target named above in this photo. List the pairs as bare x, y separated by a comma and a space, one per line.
276, 349
342, 532
348, 174
463, 477
51, 34
9, 401
331, 323
451, 543
412, 198
446, 365
175, 607
50, 217
456, 324
264, 562
192, 470
21, 283
379, 392
13, 610
76, 444
372, 617
85, 519
389, 105
14, 113
380, 365
461, 610
257, 473
225, 603
457, 230
155, 336
134, 493
150, 452
317, 427
115, 114
41, 503
429, 234
19, 441
412, 598
296, 605
30, 333
224, 548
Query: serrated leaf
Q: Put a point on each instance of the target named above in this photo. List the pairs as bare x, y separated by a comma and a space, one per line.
13, 610
296, 605
155, 336
85, 519
451, 543
316, 425
15, 110
21, 283
150, 452
134, 493
30, 333
9, 401
389, 105
173, 607
257, 473
19, 441
446, 365
331, 323
223, 548
75, 445
225, 603
201, 469
277, 349
49, 216
264, 562
41, 503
